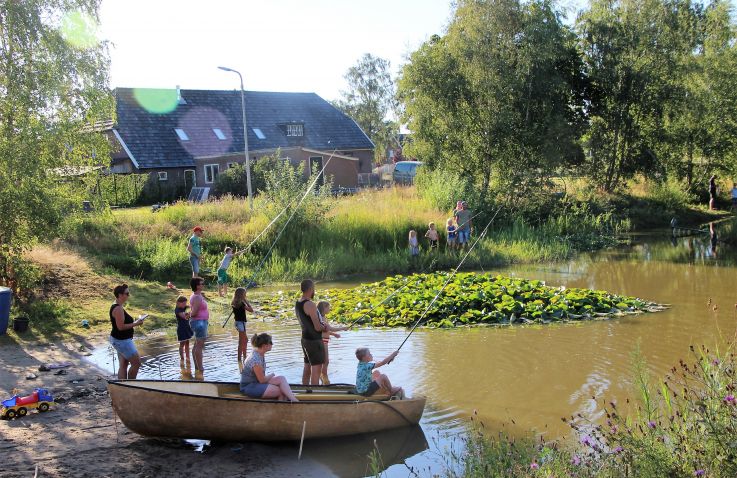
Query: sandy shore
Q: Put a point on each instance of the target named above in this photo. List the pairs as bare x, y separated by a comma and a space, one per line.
81, 437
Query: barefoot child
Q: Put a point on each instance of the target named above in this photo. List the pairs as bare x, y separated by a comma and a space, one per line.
369, 380
223, 272
414, 245
323, 308
452, 231
184, 330
240, 306
432, 236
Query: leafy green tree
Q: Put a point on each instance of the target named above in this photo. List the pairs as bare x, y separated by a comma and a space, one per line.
499, 96
370, 99
53, 97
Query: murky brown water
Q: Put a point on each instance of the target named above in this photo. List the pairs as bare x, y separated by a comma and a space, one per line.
533, 375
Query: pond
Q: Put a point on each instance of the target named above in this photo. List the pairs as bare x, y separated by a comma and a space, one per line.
533, 375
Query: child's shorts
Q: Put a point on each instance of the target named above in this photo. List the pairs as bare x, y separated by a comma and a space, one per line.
255, 389
200, 328
240, 326
222, 276
372, 388
433, 244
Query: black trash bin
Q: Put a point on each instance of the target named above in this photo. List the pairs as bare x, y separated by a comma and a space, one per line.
20, 324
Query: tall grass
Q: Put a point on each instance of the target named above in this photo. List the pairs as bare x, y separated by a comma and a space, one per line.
357, 234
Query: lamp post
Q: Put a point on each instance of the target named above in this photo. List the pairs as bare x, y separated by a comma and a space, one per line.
245, 136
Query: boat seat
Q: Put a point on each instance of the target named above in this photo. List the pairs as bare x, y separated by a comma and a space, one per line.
310, 397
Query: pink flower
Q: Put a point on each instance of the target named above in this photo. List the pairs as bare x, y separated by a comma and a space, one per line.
534, 466
576, 460
699, 473
651, 424
618, 450
730, 400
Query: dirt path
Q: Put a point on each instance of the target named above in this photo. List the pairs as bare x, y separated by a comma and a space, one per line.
80, 436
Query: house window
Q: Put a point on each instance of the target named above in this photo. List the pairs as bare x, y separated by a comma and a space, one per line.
163, 176
211, 172
294, 130
219, 133
259, 134
182, 135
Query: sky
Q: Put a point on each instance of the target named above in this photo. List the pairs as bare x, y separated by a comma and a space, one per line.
278, 45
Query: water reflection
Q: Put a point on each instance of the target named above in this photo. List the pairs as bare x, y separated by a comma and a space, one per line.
533, 375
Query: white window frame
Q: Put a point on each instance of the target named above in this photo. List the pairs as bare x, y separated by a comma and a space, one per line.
181, 134
295, 130
214, 173
219, 134
163, 176
259, 134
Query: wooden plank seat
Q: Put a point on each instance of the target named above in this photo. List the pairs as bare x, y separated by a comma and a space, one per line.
325, 396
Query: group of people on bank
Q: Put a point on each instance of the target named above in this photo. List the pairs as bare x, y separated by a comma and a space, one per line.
254, 382
457, 232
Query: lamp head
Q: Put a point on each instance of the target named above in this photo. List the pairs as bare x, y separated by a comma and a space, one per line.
225, 68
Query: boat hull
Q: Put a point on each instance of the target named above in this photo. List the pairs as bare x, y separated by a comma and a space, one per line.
216, 411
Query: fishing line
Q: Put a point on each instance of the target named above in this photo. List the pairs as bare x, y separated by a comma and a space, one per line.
405, 285
310, 188
450, 277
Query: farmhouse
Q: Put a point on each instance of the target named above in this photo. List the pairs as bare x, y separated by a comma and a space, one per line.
186, 138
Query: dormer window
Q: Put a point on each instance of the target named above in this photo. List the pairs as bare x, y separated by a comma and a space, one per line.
182, 135
259, 134
295, 130
219, 133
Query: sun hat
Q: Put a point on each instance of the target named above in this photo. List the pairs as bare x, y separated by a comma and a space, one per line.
196, 229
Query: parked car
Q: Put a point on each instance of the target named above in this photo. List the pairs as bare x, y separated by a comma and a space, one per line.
405, 171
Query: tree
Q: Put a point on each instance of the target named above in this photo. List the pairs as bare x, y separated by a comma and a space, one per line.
53, 96
369, 100
499, 97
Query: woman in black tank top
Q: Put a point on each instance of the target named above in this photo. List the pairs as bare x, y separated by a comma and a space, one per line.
121, 335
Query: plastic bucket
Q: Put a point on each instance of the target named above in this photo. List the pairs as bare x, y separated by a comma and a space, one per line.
20, 324
6, 297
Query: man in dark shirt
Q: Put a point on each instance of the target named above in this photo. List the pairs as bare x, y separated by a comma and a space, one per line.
312, 345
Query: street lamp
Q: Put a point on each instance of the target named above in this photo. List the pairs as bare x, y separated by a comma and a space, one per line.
245, 136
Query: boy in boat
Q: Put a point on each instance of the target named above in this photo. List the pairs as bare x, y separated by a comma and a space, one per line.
369, 380
323, 308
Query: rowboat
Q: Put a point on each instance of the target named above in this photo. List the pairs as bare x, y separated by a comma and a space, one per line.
218, 411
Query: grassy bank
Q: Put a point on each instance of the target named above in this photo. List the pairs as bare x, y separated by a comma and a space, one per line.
357, 234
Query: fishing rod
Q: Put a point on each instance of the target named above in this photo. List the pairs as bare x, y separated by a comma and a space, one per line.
289, 219
405, 285
450, 277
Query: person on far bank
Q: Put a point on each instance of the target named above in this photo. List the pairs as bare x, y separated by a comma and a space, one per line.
712, 192
369, 380
311, 341
414, 244
254, 381
463, 219
432, 236
223, 271
198, 319
194, 247
452, 231
240, 305
734, 196
184, 331
121, 335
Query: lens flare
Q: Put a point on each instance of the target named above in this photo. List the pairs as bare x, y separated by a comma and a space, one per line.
80, 29
156, 100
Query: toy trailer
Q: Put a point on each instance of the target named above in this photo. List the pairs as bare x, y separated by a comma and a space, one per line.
18, 406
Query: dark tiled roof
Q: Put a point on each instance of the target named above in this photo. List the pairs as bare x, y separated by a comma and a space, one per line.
152, 141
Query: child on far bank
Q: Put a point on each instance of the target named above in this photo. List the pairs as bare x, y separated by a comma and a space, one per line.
184, 330
240, 305
414, 245
223, 271
323, 309
452, 231
432, 236
369, 380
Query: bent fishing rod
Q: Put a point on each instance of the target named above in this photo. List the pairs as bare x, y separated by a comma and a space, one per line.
450, 277
365, 314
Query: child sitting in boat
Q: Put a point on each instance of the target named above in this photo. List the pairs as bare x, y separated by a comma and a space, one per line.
184, 330
323, 308
369, 380
254, 381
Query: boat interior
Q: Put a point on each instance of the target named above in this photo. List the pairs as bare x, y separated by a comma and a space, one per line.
338, 393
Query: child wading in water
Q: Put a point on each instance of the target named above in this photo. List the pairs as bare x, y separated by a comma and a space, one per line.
223, 272
369, 380
414, 245
240, 306
432, 236
323, 308
184, 330
452, 231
